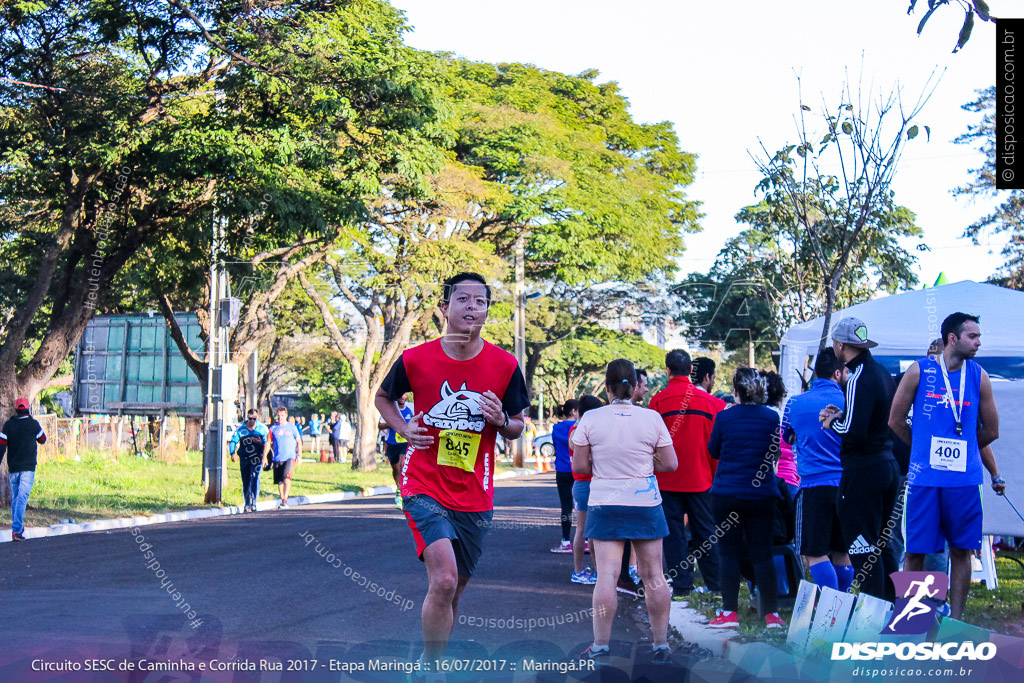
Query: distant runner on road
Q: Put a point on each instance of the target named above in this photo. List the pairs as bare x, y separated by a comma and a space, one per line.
286, 443
395, 446
474, 391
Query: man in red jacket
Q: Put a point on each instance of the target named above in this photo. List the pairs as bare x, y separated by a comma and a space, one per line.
689, 414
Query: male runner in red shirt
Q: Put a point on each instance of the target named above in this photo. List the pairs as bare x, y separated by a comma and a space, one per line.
467, 391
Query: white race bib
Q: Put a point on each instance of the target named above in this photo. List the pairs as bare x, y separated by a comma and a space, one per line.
948, 455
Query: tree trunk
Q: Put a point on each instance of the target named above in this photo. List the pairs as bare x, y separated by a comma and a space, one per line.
8, 394
830, 301
364, 446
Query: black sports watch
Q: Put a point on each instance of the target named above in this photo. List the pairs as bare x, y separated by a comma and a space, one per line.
506, 420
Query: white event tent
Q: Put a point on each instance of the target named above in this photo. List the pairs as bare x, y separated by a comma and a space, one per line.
904, 325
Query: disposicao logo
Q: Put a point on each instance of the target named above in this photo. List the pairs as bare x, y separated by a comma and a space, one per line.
922, 593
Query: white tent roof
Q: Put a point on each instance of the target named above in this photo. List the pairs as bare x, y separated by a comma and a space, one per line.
905, 324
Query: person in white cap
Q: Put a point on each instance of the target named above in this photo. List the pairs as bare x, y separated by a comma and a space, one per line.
870, 481
18, 441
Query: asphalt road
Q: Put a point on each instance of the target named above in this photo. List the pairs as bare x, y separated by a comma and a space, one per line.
336, 583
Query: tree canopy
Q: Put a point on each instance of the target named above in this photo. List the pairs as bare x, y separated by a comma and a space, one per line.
1008, 216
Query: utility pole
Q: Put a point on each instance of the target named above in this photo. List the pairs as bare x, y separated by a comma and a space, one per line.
519, 321
251, 381
222, 376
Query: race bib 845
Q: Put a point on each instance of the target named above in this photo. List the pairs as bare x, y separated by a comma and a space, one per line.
458, 449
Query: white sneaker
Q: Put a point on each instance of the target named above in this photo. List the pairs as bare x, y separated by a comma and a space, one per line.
282, 506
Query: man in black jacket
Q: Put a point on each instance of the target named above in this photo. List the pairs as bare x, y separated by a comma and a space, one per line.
18, 439
869, 484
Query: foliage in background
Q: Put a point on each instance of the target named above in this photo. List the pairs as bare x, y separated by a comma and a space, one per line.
1008, 216
829, 223
971, 9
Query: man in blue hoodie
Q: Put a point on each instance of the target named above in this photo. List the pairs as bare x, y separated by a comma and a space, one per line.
818, 534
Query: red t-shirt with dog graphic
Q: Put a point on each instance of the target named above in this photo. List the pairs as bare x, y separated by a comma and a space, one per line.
457, 469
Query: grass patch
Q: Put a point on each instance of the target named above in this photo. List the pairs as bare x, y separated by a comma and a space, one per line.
1001, 610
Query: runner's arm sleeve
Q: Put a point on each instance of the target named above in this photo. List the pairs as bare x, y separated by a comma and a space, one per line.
40, 435
856, 419
516, 398
397, 382
3, 446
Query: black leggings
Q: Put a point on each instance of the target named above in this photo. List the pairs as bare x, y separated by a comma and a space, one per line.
565, 480
746, 528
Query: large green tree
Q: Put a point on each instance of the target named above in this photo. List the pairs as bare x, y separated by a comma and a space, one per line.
1008, 217
316, 114
553, 158
90, 96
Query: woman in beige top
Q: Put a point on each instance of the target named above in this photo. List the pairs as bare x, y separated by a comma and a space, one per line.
622, 445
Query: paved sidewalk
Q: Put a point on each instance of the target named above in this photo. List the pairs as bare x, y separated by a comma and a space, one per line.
205, 513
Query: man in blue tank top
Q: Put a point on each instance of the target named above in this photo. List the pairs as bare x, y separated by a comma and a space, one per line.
954, 418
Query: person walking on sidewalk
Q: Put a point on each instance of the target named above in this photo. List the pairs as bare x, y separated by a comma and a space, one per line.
475, 391
285, 441
19, 440
247, 444
622, 445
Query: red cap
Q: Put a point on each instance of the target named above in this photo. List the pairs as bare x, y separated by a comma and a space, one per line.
21, 404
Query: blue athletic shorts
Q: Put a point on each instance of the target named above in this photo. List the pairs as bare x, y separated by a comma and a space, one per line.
939, 514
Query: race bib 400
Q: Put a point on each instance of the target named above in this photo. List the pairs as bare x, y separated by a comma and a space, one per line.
458, 449
948, 454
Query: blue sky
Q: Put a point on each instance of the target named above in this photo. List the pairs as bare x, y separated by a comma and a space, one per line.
725, 75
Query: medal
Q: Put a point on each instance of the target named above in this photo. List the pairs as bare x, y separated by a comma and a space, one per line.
958, 411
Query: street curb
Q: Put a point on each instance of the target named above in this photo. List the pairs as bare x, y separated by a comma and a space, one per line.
205, 513
757, 659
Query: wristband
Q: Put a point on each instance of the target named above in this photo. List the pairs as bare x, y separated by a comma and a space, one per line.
505, 412
998, 479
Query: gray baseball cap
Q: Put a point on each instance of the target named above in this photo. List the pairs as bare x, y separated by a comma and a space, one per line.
854, 332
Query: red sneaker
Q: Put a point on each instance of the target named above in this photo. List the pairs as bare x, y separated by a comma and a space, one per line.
773, 620
725, 620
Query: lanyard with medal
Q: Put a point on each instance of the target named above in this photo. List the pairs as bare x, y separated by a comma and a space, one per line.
957, 411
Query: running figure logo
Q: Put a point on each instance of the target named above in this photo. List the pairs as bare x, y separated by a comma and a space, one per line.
457, 409
919, 594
